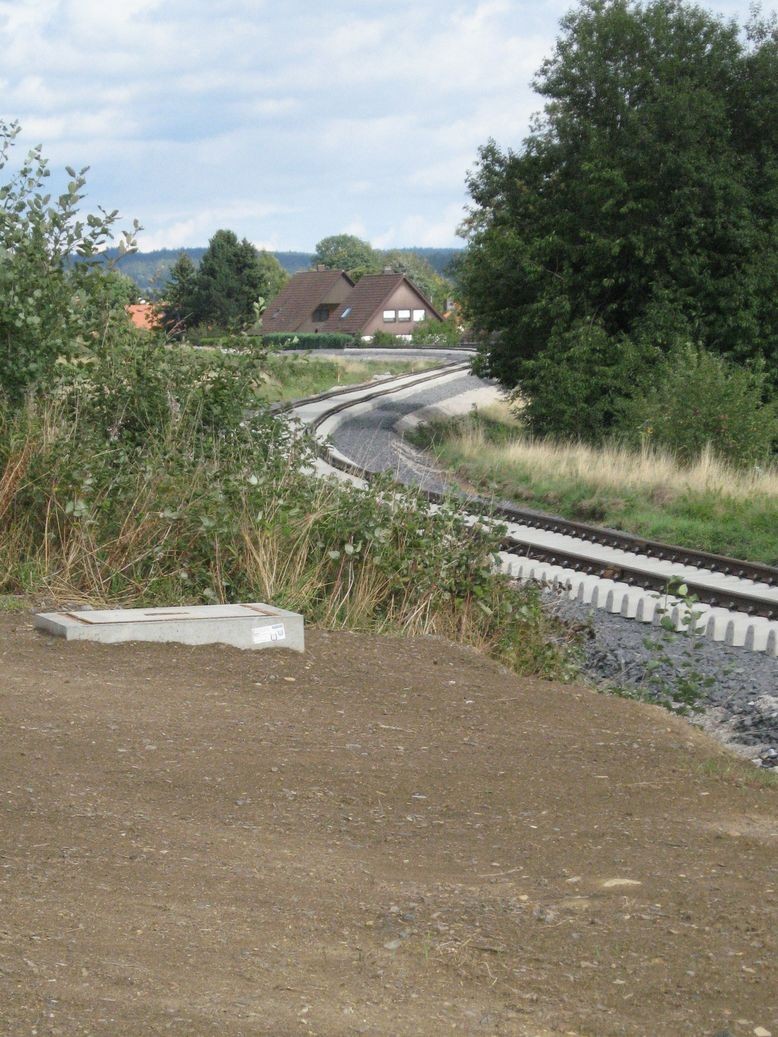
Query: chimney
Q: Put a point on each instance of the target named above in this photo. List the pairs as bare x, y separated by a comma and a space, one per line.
320, 266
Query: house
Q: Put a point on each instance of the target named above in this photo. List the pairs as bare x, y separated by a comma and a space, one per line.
307, 301
383, 302
319, 300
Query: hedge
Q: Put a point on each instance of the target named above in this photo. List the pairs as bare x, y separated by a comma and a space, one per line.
309, 340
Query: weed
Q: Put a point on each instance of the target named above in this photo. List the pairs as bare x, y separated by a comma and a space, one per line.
738, 772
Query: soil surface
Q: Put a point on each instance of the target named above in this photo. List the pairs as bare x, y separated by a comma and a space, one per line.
376, 837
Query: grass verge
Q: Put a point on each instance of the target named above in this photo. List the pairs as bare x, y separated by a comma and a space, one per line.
144, 483
293, 377
706, 505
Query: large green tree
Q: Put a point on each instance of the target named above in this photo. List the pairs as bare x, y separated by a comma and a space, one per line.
643, 206
233, 279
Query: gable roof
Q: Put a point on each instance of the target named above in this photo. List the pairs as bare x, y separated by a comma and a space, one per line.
296, 302
367, 298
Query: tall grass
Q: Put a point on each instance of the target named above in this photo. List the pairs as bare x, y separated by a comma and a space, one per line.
705, 503
174, 511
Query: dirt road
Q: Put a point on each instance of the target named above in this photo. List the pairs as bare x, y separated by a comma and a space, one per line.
378, 837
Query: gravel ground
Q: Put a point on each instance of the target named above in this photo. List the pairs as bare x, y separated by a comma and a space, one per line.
395, 353
735, 691
378, 836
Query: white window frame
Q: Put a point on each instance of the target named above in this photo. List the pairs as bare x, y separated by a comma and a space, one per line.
419, 315
401, 312
390, 316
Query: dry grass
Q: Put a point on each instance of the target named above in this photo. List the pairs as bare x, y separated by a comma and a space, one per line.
709, 504
174, 523
614, 469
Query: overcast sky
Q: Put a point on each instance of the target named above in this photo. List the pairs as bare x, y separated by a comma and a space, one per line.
283, 121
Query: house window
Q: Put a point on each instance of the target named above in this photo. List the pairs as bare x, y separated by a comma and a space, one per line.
390, 316
403, 314
321, 312
345, 313
419, 315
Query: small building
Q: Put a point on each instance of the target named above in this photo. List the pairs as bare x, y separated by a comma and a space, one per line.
328, 300
307, 301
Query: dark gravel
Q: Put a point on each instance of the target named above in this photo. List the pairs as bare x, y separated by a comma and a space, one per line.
730, 691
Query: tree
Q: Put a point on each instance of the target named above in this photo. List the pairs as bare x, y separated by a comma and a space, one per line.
644, 202
349, 253
274, 275
56, 295
179, 296
233, 279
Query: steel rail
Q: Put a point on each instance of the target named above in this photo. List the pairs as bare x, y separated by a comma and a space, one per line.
626, 570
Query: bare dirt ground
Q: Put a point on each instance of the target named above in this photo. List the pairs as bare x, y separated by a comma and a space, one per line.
377, 837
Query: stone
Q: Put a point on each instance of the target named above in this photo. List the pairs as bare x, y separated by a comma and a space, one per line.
254, 625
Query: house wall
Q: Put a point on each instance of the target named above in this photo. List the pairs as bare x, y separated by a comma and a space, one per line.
334, 298
402, 298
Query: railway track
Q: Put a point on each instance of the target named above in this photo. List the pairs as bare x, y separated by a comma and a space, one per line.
736, 601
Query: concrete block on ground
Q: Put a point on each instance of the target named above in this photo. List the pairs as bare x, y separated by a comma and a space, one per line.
253, 625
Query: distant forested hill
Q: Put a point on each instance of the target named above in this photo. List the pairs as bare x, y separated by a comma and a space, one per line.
150, 270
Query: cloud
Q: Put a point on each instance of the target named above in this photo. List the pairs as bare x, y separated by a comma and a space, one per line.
424, 230
293, 121
176, 230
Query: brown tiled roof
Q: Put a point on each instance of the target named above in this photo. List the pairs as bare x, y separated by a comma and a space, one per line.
143, 315
295, 303
367, 297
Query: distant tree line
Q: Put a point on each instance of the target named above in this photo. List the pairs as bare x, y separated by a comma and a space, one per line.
151, 270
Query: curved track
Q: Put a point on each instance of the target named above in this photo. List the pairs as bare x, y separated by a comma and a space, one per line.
620, 572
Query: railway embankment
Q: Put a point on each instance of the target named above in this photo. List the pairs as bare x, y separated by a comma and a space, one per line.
726, 687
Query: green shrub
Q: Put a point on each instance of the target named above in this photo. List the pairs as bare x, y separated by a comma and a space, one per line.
322, 340
578, 386
186, 498
385, 340
436, 333
55, 298
140, 392
697, 400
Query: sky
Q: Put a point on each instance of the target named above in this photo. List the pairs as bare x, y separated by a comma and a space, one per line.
283, 121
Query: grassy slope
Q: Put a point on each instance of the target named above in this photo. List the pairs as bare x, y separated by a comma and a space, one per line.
705, 506
293, 377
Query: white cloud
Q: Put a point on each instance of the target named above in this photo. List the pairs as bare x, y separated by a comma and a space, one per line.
177, 231
287, 122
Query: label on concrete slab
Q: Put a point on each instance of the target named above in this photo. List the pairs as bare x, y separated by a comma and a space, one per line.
263, 635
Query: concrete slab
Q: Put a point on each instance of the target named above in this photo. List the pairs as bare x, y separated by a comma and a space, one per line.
253, 625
